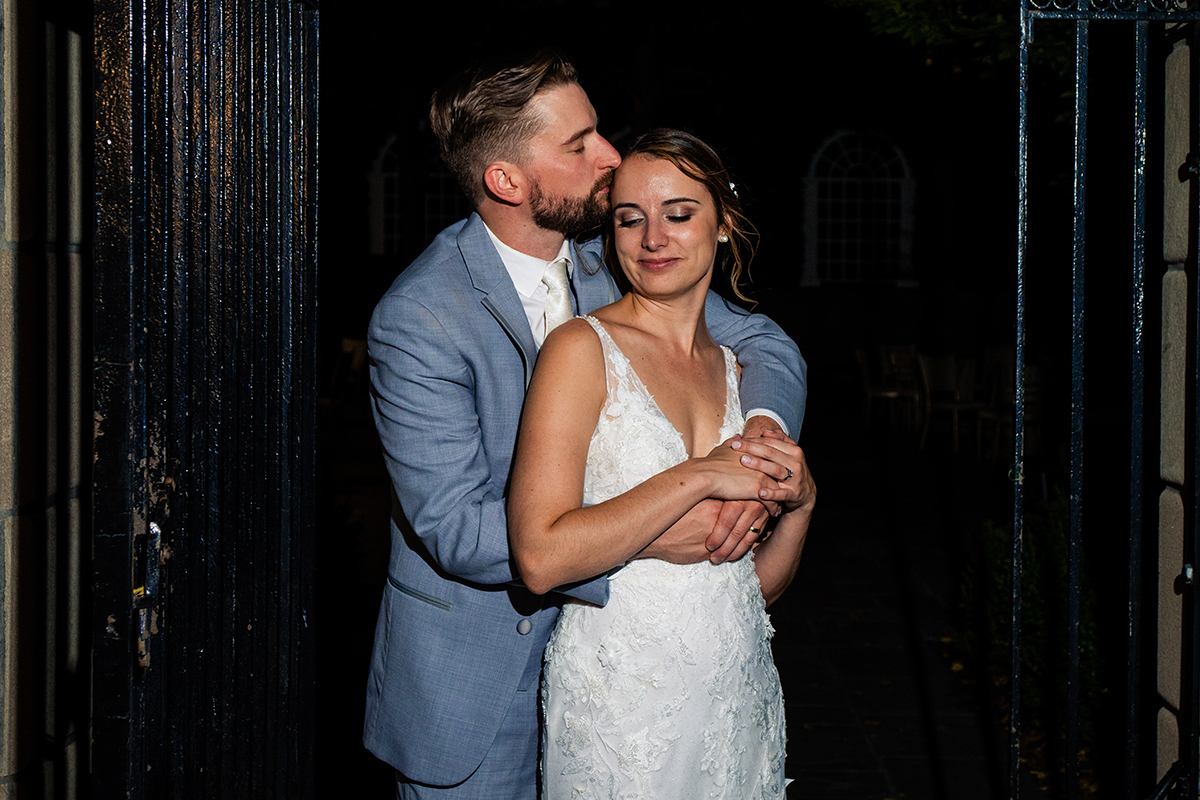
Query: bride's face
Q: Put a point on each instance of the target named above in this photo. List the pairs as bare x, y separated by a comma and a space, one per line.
665, 228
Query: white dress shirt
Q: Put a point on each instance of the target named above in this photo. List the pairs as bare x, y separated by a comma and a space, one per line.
526, 272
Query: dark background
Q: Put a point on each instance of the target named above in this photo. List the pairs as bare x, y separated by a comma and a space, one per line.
765, 87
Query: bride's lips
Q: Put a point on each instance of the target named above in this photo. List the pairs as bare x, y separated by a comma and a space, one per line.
657, 263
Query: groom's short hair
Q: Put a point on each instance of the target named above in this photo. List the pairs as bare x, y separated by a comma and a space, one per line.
482, 115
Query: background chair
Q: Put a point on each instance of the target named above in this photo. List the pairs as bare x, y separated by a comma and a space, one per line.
891, 378
903, 373
949, 388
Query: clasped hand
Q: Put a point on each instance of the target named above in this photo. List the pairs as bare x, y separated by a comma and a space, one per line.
780, 458
778, 474
750, 473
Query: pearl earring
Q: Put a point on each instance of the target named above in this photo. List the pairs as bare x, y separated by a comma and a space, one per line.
723, 238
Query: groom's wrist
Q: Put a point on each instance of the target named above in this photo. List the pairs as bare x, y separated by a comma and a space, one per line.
763, 419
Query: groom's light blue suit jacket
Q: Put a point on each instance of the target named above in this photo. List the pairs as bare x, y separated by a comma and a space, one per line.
451, 354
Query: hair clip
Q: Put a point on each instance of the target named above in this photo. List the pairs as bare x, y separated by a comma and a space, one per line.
733, 188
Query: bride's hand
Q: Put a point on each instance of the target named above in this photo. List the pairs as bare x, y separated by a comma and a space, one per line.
729, 479
781, 459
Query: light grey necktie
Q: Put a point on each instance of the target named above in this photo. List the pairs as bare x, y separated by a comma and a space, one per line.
558, 294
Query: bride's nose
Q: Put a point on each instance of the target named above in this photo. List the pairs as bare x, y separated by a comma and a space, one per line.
654, 235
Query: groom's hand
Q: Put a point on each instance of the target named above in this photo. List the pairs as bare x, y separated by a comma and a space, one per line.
686, 542
739, 525
712, 531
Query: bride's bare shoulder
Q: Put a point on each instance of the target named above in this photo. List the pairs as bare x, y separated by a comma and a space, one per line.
575, 336
569, 377
572, 348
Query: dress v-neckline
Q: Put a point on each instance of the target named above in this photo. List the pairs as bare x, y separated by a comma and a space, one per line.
637, 380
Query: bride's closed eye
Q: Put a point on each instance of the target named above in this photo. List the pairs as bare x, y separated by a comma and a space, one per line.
680, 213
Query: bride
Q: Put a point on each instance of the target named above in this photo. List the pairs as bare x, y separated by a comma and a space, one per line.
669, 690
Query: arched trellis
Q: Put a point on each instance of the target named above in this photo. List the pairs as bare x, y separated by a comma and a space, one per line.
383, 186
858, 212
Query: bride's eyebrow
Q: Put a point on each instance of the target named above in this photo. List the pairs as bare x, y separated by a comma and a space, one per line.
670, 202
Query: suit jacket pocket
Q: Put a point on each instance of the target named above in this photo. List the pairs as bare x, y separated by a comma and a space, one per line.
419, 595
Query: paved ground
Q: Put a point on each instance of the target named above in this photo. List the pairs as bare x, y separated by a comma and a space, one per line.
875, 708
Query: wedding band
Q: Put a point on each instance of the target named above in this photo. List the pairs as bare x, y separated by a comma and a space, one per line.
755, 530
789, 475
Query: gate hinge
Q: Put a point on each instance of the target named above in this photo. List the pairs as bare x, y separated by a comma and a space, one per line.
1189, 167
146, 596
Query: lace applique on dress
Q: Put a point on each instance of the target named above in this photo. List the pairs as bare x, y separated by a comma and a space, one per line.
669, 691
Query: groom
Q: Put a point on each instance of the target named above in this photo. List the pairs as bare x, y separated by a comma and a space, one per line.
453, 686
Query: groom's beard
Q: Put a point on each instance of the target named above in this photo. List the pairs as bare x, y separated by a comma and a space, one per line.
570, 215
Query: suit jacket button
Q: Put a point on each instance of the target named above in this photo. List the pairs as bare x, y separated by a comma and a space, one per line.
524, 627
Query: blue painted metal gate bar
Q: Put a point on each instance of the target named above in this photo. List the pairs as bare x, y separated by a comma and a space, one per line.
1075, 540
1139, 13
1137, 412
204, 340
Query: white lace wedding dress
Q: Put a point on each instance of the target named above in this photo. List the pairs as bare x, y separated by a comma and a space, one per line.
668, 691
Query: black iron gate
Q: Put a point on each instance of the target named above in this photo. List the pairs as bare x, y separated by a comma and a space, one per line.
205, 159
1147, 25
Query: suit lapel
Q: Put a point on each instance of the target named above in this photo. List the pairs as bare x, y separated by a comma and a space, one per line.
491, 279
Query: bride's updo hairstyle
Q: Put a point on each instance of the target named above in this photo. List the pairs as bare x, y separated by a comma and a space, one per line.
701, 163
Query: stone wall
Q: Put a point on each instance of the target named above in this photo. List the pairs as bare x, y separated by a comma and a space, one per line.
1173, 403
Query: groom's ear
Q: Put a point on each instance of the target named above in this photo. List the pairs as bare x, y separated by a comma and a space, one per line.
506, 182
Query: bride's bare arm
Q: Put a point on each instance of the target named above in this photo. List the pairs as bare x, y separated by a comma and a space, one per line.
777, 559
553, 539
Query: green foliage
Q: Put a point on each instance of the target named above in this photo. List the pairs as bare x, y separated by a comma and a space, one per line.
986, 602
939, 23
979, 34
